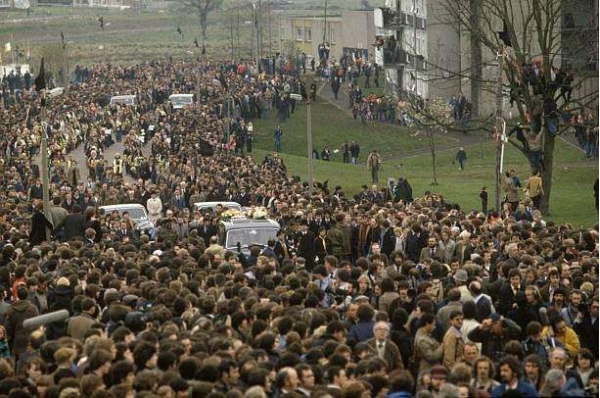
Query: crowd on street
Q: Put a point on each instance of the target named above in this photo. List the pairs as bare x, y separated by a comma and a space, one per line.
367, 296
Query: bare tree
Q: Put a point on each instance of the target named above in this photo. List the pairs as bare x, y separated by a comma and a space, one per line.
431, 117
202, 8
539, 65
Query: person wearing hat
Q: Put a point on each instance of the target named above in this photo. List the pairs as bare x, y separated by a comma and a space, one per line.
439, 375
460, 279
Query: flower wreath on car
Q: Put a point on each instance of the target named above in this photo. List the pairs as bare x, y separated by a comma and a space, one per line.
257, 213
228, 214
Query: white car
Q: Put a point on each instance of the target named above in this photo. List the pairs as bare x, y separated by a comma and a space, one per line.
137, 213
180, 101
128, 100
212, 206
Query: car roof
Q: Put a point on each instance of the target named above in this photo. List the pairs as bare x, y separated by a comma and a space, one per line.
181, 95
243, 222
123, 206
122, 96
205, 205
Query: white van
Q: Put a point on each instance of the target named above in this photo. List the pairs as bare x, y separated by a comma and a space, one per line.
180, 101
127, 100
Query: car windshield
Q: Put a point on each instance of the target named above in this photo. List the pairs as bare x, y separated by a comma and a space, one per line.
248, 236
122, 101
136, 214
181, 101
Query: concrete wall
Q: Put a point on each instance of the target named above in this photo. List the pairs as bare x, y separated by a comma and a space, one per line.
358, 31
443, 53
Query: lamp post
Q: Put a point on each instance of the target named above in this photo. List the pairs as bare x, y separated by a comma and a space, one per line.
500, 127
45, 169
309, 144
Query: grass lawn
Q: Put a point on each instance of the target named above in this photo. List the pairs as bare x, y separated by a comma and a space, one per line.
572, 194
332, 126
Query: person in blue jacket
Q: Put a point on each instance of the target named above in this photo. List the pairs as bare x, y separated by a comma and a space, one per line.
509, 376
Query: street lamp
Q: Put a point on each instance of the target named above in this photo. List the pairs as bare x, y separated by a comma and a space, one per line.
309, 144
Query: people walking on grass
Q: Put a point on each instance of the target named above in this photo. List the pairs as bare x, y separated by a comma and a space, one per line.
277, 134
461, 158
374, 165
354, 152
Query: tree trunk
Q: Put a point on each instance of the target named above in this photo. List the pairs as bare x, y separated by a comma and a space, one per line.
432, 147
547, 172
203, 24
476, 57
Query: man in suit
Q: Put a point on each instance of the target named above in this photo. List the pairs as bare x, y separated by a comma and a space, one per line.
124, 232
431, 251
178, 200
508, 292
306, 247
207, 230
586, 326
384, 235
384, 347
483, 302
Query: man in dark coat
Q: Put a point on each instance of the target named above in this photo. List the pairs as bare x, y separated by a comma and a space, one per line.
403, 191
586, 326
39, 223
72, 226
415, 242
306, 239
384, 235
19, 311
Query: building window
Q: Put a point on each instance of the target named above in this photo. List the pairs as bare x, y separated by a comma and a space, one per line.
331, 35
299, 34
307, 34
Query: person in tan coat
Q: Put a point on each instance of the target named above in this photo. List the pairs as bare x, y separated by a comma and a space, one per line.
453, 342
79, 325
535, 188
428, 351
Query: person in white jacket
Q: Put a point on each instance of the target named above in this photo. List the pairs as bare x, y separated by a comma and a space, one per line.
155, 207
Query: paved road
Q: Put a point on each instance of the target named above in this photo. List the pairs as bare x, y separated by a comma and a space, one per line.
109, 155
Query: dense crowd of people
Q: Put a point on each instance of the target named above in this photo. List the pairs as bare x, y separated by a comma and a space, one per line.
355, 297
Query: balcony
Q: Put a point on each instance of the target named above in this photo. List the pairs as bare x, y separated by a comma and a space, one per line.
395, 20
393, 58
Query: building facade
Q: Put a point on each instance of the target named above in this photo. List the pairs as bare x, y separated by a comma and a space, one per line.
352, 31
402, 46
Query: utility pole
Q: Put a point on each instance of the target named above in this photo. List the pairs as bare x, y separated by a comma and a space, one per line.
500, 126
325, 24
309, 143
400, 66
309, 146
269, 28
45, 169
